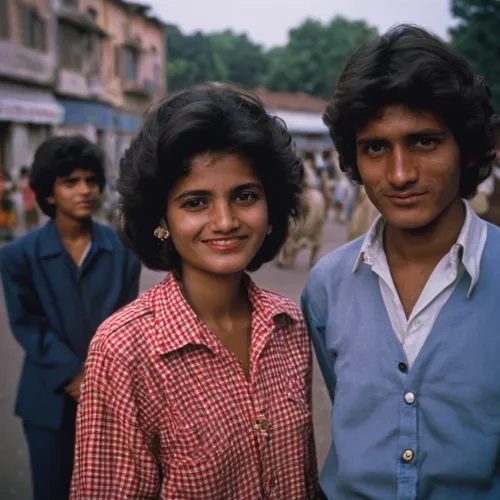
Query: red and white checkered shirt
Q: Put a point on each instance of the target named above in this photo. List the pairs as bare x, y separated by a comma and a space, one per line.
167, 412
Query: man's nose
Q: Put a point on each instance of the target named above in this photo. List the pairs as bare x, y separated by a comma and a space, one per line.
84, 187
401, 169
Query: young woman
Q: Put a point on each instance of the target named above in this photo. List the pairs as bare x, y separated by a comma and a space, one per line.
201, 389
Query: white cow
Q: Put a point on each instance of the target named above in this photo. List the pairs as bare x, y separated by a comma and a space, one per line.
309, 230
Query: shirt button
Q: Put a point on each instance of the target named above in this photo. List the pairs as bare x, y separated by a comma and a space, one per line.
409, 398
264, 425
408, 455
403, 367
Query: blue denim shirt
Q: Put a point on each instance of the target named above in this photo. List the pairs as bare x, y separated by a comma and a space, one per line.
429, 432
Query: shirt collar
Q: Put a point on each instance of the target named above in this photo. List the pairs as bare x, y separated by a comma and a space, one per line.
470, 242
468, 249
51, 243
177, 325
372, 244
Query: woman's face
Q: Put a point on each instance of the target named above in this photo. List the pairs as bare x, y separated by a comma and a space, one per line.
217, 214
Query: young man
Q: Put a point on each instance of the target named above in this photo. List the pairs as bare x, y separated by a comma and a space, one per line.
61, 281
405, 321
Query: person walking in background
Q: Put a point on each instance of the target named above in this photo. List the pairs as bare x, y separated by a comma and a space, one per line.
31, 217
405, 321
7, 210
60, 282
202, 387
363, 214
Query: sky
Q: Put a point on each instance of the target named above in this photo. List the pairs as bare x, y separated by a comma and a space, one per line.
267, 21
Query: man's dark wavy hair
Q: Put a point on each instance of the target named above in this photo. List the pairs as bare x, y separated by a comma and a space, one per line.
60, 157
412, 67
207, 118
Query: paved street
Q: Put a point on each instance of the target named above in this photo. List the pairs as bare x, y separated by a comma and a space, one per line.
14, 470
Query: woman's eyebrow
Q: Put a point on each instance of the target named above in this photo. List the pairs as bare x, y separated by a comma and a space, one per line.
204, 192
196, 192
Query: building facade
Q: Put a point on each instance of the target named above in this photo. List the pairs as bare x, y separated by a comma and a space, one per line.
111, 69
91, 67
28, 110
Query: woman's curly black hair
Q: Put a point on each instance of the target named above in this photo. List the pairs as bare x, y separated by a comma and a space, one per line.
60, 157
207, 118
412, 67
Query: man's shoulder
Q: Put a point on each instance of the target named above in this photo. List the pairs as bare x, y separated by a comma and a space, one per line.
330, 275
15, 250
339, 262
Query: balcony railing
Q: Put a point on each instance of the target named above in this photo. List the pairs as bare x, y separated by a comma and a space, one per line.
81, 20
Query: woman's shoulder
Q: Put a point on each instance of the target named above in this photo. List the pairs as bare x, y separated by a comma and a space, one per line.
280, 305
123, 335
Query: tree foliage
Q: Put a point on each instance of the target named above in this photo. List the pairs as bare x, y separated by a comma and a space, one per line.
315, 55
311, 61
191, 59
477, 38
244, 60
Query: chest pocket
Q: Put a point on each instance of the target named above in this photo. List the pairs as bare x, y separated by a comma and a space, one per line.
203, 434
204, 459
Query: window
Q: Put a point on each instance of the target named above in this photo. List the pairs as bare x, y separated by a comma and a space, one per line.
118, 60
131, 58
34, 35
70, 47
4, 20
155, 65
156, 73
92, 13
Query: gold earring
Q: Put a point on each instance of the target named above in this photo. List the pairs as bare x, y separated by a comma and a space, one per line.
269, 230
162, 233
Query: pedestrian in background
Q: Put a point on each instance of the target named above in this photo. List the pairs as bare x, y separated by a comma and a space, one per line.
405, 321
7, 210
60, 282
202, 387
30, 211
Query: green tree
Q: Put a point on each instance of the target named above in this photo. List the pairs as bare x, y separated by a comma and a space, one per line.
315, 55
476, 37
191, 59
245, 61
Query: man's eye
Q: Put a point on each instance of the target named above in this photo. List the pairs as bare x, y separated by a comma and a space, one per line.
246, 197
374, 149
426, 142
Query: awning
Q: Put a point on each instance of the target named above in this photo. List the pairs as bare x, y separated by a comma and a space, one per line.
23, 104
302, 122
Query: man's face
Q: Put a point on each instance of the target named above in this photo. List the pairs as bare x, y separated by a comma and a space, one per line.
409, 162
76, 195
